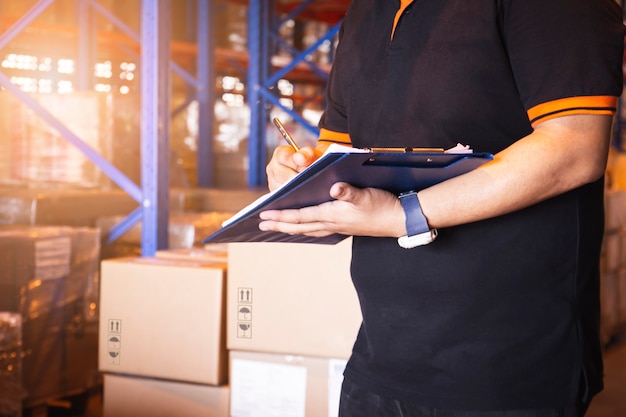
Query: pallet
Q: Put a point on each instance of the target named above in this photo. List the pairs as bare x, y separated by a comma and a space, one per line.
86, 403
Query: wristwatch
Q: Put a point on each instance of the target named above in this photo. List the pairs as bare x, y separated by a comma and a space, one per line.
418, 232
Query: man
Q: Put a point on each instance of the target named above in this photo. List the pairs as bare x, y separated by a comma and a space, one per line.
498, 316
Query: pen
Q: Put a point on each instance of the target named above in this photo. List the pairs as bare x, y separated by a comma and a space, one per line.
286, 134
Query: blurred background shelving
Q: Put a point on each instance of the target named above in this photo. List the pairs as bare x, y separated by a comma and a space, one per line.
87, 56
133, 126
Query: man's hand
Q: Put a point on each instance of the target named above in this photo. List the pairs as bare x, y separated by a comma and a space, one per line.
354, 212
287, 163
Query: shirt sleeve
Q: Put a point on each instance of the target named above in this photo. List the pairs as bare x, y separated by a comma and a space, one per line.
328, 136
334, 122
566, 55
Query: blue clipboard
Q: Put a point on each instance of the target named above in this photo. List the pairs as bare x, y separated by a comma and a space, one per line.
392, 171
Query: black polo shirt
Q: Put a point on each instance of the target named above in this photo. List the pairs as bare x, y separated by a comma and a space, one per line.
502, 313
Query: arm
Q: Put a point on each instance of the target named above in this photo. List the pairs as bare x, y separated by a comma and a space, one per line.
561, 154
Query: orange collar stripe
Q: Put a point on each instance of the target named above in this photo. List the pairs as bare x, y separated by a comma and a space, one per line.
403, 5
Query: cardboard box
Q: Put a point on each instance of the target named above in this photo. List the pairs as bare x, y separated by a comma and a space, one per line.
292, 298
216, 252
163, 318
127, 396
265, 384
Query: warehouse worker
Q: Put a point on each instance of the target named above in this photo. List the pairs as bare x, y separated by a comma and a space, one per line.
497, 316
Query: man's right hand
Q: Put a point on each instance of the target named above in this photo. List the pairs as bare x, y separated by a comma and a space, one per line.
286, 163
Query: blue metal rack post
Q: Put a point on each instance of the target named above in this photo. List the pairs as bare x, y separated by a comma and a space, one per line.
263, 26
205, 94
258, 23
155, 126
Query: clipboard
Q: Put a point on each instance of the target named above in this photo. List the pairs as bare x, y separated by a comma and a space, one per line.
396, 172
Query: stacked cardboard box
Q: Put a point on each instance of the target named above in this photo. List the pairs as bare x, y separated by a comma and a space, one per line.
292, 319
135, 396
288, 316
162, 337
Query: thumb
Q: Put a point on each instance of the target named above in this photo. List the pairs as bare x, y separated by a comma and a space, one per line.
344, 192
304, 157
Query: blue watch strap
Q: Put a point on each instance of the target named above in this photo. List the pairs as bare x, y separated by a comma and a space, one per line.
415, 220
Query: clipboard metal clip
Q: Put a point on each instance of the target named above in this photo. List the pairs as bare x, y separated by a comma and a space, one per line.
408, 149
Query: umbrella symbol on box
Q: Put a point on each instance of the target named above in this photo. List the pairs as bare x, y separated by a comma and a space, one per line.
114, 342
245, 313
243, 328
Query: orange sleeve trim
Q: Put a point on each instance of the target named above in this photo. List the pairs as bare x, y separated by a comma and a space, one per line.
330, 136
600, 105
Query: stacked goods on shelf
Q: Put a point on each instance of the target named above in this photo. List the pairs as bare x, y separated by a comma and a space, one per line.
292, 318
231, 33
194, 214
185, 230
613, 265
68, 207
35, 154
11, 365
51, 278
162, 348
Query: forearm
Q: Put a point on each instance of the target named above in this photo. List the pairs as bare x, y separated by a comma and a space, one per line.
560, 155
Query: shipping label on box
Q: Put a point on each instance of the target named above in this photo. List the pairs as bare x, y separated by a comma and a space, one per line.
268, 385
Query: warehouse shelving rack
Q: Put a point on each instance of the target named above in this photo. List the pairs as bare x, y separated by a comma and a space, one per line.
155, 43
264, 19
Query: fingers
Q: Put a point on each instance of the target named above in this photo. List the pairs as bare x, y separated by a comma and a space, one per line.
294, 222
286, 163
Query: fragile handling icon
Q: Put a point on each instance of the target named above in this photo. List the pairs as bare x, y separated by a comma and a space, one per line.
244, 330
